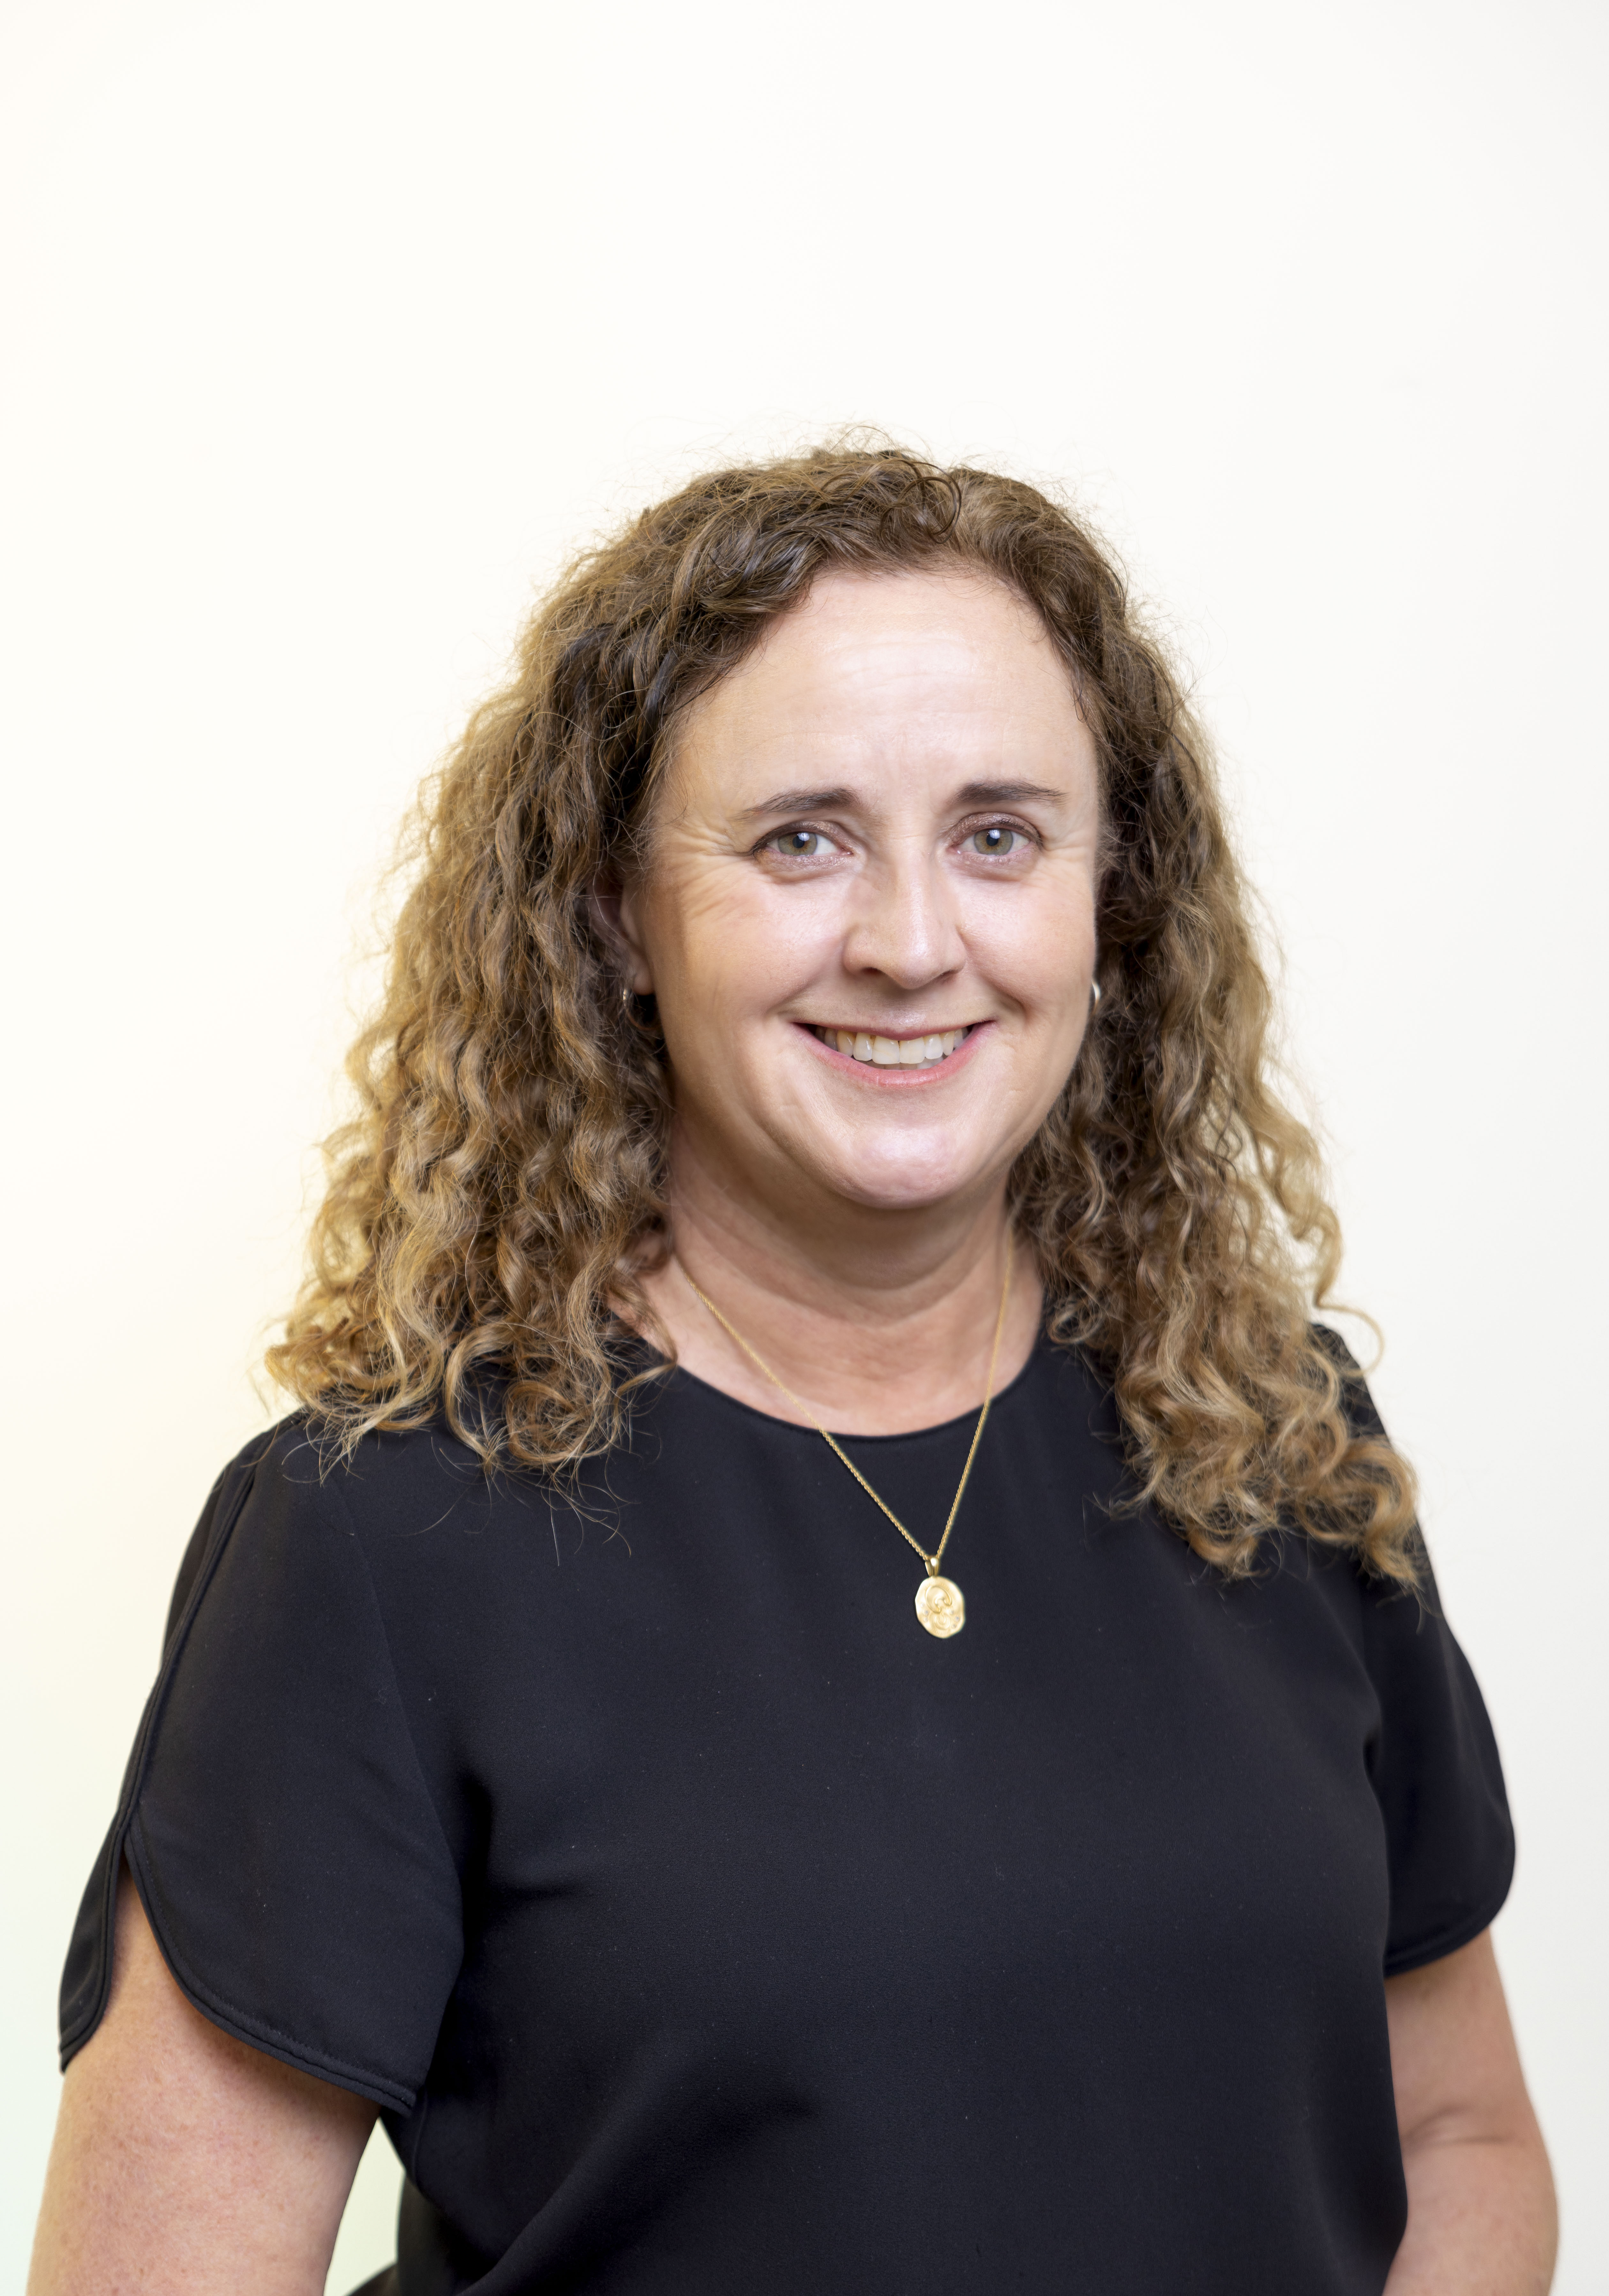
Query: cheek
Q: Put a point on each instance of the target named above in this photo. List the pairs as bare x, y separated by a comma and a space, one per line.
735, 945
1039, 950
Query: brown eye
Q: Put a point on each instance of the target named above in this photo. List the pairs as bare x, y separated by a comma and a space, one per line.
995, 841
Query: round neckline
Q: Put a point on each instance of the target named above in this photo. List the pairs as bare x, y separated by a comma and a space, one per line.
800, 1427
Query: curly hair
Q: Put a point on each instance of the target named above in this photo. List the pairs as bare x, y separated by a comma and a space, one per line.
491, 1207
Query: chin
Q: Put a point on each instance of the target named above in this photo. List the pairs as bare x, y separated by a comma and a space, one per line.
900, 1184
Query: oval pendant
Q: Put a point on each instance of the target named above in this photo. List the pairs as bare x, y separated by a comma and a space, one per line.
940, 1606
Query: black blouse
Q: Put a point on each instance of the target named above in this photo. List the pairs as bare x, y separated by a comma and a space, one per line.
701, 1925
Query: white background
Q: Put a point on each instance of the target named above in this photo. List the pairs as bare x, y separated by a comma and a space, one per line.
330, 327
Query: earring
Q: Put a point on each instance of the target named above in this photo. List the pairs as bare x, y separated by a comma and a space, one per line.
641, 1013
1095, 996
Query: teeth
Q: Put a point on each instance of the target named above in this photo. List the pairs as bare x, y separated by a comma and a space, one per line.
894, 1051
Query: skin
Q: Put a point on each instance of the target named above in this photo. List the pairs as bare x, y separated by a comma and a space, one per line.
899, 726
186, 2163
1481, 2219
853, 1221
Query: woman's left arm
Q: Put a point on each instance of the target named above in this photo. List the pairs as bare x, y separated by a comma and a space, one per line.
1480, 2214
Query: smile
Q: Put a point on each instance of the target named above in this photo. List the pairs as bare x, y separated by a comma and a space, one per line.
893, 1052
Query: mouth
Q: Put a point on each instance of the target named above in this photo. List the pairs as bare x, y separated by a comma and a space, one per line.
918, 1052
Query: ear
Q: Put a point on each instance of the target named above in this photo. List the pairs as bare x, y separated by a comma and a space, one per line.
616, 911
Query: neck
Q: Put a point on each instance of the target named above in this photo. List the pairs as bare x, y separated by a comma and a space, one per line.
879, 1321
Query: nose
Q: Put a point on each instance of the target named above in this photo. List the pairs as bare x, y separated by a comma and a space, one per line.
903, 923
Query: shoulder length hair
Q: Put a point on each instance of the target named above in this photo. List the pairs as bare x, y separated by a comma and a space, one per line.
505, 1179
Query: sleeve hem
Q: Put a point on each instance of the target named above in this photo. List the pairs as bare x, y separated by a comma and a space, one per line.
81, 2026
78, 2028
254, 2031
1450, 1941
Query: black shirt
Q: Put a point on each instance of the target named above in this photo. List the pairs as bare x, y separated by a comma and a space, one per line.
703, 1924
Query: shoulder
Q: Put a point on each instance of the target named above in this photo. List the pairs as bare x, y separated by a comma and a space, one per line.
1330, 1343
300, 1469
1363, 1415
294, 1487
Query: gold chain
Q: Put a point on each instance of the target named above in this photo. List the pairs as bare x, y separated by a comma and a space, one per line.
933, 1560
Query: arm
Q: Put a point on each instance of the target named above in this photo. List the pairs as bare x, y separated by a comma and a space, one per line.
186, 2163
1481, 2217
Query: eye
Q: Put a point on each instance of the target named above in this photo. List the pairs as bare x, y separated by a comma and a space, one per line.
997, 839
802, 844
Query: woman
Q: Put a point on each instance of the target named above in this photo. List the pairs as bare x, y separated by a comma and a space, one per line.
833, 1688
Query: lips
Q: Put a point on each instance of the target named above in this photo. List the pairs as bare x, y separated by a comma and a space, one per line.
894, 1051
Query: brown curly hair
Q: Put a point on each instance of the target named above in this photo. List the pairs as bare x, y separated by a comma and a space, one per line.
490, 1206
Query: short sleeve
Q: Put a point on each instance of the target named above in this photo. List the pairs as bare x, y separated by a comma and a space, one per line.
1437, 1779
284, 1844
1434, 1763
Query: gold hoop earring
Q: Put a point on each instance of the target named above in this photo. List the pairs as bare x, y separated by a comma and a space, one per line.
641, 1013
1095, 996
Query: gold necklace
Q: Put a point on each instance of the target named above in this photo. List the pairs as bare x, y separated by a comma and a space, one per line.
939, 1601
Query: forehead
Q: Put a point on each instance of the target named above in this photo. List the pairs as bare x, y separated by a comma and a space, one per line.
950, 668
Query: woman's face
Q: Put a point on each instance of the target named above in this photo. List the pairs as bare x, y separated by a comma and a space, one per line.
869, 913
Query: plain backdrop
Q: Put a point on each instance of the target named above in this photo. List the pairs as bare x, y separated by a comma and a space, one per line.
331, 328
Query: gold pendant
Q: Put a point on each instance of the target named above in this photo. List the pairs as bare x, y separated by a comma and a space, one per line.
940, 1606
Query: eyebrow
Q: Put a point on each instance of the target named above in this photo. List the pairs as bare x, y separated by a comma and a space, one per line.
821, 801
1006, 793
799, 800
